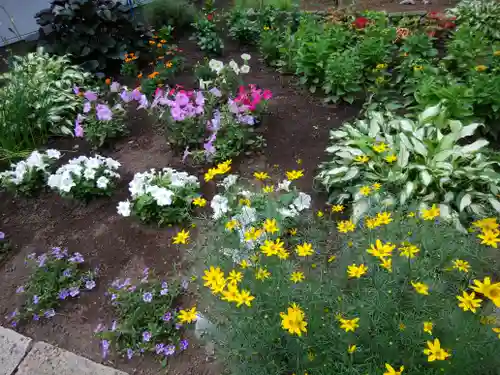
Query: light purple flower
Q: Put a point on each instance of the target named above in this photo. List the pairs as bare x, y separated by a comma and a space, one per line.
159, 348
185, 154
200, 99
147, 297
164, 292
20, 290
14, 324
13, 313
49, 313
136, 94
100, 327
181, 99
105, 348
2, 235
146, 336
177, 114
126, 96
36, 299
76, 258
214, 124
143, 102
90, 96
215, 92
246, 119
41, 260
169, 350
233, 107
113, 297
183, 344
114, 324
76, 90
90, 284
130, 353
167, 316
145, 271
78, 129
31, 256
74, 291
67, 272
86, 107
178, 326
36, 318
115, 87
63, 294
103, 112
209, 147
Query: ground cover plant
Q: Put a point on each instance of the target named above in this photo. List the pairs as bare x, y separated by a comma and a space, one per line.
407, 294
37, 101
147, 318
55, 276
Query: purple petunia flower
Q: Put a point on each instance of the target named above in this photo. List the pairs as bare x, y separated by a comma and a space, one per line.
20, 290
90, 284
169, 350
13, 324
167, 316
74, 291
136, 95
76, 258
145, 271
146, 336
100, 327
115, 87
67, 272
103, 112
200, 99
63, 294
147, 297
105, 348
159, 348
49, 313
90, 96
36, 300
2, 235
130, 353
143, 102
215, 92
87, 107
183, 344
36, 318
113, 297
181, 99
126, 96
76, 90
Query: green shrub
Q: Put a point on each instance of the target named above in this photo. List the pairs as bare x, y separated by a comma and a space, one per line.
37, 100
466, 49
206, 36
5, 246
178, 13
343, 76
482, 15
243, 25
94, 32
323, 310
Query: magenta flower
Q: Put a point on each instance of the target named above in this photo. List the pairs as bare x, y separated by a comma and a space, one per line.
90, 96
103, 112
267, 94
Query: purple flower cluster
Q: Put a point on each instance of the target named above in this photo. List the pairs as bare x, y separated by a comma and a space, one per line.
183, 104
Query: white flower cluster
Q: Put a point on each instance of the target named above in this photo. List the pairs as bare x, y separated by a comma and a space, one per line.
22, 171
94, 172
163, 186
220, 69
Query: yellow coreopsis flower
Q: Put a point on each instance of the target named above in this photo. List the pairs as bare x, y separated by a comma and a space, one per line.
244, 264
489, 223
481, 68
234, 277
356, 271
349, 324
181, 237
487, 289
293, 320
187, 316
262, 274
261, 176
428, 327
252, 234
431, 213
469, 302
271, 226
268, 189
381, 250
209, 176
297, 277
224, 167
200, 202
320, 214
380, 147
232, 224
490, 237
386, 263
376, 186
409, 251
283, 253
304, 250
371, 222
362, 159
270, 248
244, 202
292, 232
338, 208
421, 288
391, 158
213, 276
351, 349
384, 218
244, 298
345, 226
365, 190
461, 265
231, 293
331, 258
435, 352
294, 175
381, 66
392, 371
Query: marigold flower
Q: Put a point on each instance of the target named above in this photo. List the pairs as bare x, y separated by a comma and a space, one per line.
224, 167
345, 226
362, 159
365, 190
261, 176
244, 264
252, 234
108, 81
153, 75
168, 64
152, 42
294, 175
338, 208
349, 324
187, 316
159, 45
461, 265
270, 248
292, 231
490, 237
262, 274
386, 263
431, 213
428, 327
293, 320
392, 371
421, 288
297, 277
181, 237
435, 352
270, 226
304, 249
200, 202
354, 271
372, 222
139, 75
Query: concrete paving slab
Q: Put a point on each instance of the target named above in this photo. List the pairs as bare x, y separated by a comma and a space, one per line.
13, 348
45, 359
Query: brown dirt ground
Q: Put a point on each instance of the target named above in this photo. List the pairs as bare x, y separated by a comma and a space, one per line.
296, 128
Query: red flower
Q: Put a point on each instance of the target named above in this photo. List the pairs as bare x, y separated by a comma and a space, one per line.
449, 25
210, 16
360, 22
434, 15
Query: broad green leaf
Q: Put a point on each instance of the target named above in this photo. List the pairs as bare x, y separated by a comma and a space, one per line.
468, 130
495, 204
403, 156
474, 147
426, 177
429, 113
465, 202
419, 147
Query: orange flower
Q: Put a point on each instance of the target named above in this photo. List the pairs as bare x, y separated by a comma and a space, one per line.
168, 64
126, 55
163, 41
153, 75
108, 81
128, 60
152, 42
159, 45
139, 75
132, 54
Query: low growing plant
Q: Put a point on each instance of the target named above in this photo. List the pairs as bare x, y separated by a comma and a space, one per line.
5, 246
84, 178
206, 36
243, 25
56, 276
161, 197
177, 13
30, 175
147, 318
343, 76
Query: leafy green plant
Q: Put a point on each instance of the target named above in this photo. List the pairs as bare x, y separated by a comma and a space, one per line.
94, 32
419, 160
481, 15
29, 176
37, 100
466, 49
161, 197
129, 65
177, 13
375, 50
146, 318
418, 46
206, 36
343, 76
269, 43
243, 25
485, 85
56, 276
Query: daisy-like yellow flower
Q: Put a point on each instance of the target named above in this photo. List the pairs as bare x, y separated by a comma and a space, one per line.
262, 274
200, 202
380, 147
338, 208
391, 158
408, 250
421, 288
365, 190
293, 320
481, 68
268, 189
376, 186
381, 66
231, 293
181, 237
371, 222
392, 371
224, 167
349, 324
244, 264
320, 214
244, 298
187, 316
252, 234
244, 202
351, 349
487, 289
212, 276
496, 330
431, 213
331, 258
261, 176
469, 302
386, 263
418, 68
384, 218
271, 226
295, 174
345, 226
354, 271
219, 286
283, 253
496, 53
297, 277
381, 250
362, 159
210, 174
234, 277
435, 352
490, 237
461, 265
489, 223
254, 258
428, 327
292, 232
411, 214
232, 224
304, 250
270, 248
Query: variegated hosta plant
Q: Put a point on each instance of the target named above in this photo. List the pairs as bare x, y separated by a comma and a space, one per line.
427, 161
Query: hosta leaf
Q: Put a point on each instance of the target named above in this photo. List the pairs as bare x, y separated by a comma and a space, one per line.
359, 208
495, 204
429, 113
468, 130
403, 156
374, 127
353, 172
336, 171
465, 202
407, 192
419, 147
474, 147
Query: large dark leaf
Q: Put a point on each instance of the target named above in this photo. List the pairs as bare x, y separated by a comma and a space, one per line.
90, 65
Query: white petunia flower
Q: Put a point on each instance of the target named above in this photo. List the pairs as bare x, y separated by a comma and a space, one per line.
284, 185
89, 174
233, 65
219, 205
303, 201
102, 182
113, 164
163, 196
36, 160
53, 154
216, 65
288, 212
246, 56
245, 69
124, 208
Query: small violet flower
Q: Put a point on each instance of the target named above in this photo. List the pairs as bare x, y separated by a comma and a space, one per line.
183, 344
167, 316
146, 336
90, 96
147, 297
159, 348
74, 291
90, 284
105, 348
49, 313
130, 353
169, 350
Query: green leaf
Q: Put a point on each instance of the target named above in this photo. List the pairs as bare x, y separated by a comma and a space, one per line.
465, 202
426, 177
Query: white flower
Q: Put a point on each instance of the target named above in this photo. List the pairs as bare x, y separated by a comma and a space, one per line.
216, 65
54, 180
19, 173
284, 185
102, 182
204, 84
247, 215
124, 208
66, 182
303, 201
245, 69
288, 212
115, 87
247, 194
113, 164
89, 174
234, 66
245, 56
219, 205
35, 160
163, 196
229, 181
53, 154
93, 163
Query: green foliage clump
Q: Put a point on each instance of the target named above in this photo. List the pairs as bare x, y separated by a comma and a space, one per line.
177, 13
206, 35
482, 15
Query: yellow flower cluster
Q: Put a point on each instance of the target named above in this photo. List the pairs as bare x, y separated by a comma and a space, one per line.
221, 168
216, 281
489, 231
382, 218
293, 320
